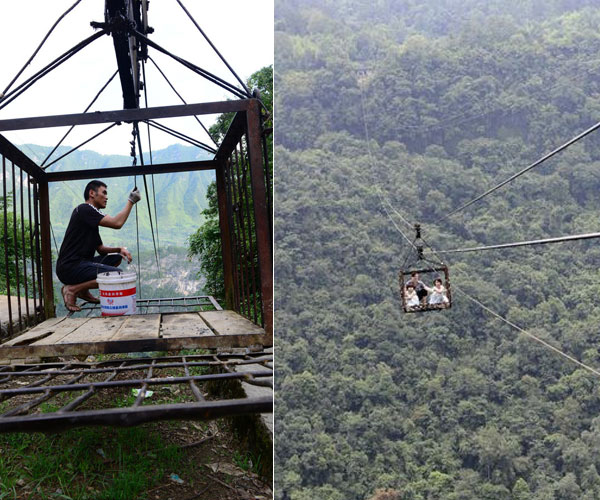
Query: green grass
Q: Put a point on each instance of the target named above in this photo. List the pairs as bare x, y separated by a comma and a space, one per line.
248, 461
135, 459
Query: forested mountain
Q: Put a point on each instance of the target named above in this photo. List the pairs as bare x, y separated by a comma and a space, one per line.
457, 97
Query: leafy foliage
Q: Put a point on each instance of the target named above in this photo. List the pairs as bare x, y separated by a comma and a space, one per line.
451, 405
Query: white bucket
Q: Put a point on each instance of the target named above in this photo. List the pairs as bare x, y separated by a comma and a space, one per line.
117, 293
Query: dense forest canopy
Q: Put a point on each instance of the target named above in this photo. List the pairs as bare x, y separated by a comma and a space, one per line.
458, 95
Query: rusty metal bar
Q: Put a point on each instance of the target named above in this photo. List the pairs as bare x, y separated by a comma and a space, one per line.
38, 251
87, 395
266, 166
230, 225
142, 394
133, 416
24, 247
197, 392
252, 241
226, 250
16, 247
8, 393
238, 271
5, 242
125, 115
17, 156
46, 249
31, 251
243, 254
157, 168
232, 137
261, 215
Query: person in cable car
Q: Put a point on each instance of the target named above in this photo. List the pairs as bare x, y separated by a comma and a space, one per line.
420, 288
438, 294
410, 296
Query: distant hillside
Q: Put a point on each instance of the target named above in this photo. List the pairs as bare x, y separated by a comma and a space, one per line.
180, 197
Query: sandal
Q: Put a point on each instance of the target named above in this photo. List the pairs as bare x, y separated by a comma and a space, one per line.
70, 304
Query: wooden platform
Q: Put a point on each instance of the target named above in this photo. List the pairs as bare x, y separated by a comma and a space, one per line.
151, 332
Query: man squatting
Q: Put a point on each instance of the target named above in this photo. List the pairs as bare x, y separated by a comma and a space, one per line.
76, 266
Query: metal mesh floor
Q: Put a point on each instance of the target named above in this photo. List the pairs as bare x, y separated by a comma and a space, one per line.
162, 305
130, 391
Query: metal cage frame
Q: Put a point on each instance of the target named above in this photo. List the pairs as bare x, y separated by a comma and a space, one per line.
240, 161
427, 307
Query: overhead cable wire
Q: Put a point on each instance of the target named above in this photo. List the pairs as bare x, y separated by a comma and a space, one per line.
40, 46
525, 170
214, 48
377, 188
73, 126
151, 161
106, 129
545, 241
528, 334
410, 242
398, 214
180, 135
17, 91
196, 69
182, 99
139, 141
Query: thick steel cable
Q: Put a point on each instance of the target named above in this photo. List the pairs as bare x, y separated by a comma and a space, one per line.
7, 99
214, 48
525, 332
381, 198
371, 156
83, 143
410, 242
139, 140
73, 126
525, 170
40, 46
151, 160
545, 241
196, 69
398, 214
180, 135
182, 99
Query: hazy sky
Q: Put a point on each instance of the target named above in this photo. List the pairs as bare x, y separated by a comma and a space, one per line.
242, 30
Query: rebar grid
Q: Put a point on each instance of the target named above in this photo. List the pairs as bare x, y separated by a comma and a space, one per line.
54, 396
163, 305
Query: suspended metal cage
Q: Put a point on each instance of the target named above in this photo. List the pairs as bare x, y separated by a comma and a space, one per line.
423, 296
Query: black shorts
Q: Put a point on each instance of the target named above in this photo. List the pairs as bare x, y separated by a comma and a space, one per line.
88, 270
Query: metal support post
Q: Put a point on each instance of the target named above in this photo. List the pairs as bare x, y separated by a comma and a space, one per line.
261, 214
47, 284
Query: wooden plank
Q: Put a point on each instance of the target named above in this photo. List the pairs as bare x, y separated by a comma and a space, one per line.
95, 330
61, 330
230, 323
184, 325
38, 332
139, 327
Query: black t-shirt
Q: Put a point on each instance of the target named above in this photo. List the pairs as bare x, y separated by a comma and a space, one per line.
82, 236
